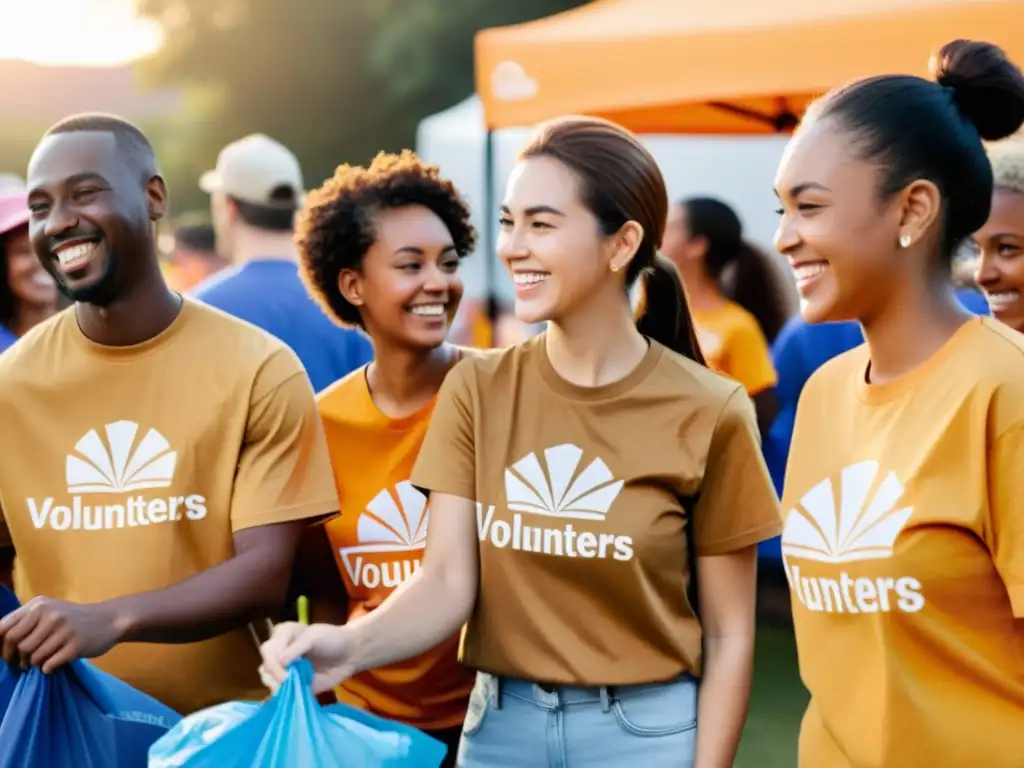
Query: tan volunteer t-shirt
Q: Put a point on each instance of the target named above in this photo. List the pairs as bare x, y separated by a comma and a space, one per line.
581, 508
129, 469
904, 548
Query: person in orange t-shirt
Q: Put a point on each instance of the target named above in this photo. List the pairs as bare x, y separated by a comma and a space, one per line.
380, 250
904, 539
734, 293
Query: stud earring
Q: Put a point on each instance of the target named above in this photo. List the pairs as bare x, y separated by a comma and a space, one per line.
905, 241
615, 268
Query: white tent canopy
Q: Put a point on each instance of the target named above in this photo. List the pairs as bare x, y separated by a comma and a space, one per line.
738, 170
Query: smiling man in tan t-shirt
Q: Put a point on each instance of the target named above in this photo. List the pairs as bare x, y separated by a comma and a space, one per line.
167, 456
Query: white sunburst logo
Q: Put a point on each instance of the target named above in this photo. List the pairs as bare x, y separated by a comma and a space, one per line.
844, 526
558, 488
393, 527
856, 529
560, 491
117, 461
117, 464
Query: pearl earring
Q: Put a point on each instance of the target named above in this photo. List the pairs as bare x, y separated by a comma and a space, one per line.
905, 241
615, 268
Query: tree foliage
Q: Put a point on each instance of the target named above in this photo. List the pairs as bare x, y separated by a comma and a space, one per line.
335, 80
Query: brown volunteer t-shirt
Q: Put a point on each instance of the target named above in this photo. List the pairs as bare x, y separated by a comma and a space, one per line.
130, 469
580, 508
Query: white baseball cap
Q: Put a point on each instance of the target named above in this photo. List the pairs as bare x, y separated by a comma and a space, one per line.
253, 169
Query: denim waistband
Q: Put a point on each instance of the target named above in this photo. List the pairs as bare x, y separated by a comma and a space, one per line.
557, 696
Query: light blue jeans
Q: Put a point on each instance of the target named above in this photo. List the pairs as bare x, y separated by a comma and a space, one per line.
517, 724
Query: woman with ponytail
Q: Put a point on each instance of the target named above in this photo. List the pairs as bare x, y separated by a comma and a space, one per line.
904, 535
734, 293
570, 478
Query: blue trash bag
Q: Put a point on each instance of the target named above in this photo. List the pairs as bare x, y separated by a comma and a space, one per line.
8, 680
77, 717
293, 729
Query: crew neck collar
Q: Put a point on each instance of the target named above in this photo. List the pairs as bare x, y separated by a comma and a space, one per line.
604, 391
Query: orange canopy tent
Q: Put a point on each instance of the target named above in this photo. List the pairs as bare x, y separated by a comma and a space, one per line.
717, 66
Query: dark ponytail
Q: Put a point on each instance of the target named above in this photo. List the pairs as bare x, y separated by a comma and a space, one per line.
744, 273
753, 283
663, 313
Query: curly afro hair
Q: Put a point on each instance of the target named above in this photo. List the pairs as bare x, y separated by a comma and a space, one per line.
336, 227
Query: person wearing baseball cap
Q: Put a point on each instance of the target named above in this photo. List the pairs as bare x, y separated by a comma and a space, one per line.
255, 191
28, 295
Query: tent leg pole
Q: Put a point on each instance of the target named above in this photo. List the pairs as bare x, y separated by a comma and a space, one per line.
490, 268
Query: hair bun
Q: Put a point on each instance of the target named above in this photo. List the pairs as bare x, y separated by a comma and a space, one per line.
986, 86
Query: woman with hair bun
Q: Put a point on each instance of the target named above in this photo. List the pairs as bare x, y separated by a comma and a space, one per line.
580, 483
904, 538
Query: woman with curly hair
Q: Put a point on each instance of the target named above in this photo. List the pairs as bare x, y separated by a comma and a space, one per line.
28, 295
379, 249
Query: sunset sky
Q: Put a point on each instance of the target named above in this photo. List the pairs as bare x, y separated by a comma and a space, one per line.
76, 32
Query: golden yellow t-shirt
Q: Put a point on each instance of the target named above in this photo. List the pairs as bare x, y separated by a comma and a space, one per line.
732, 343
904, 549
378, 542
129, 469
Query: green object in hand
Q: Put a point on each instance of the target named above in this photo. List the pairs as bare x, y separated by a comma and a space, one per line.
303, 606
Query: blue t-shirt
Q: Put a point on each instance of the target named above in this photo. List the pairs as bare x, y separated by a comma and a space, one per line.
6, 338
797, 352
270, 294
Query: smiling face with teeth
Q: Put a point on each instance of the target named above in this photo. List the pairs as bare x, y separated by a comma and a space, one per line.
28, 284
1000, 245
839, 237
407, 288
552, 245
93, 203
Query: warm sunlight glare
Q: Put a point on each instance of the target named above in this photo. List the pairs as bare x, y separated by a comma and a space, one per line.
75, 32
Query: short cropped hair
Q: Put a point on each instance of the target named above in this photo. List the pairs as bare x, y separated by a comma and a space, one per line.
336, 227
274, 218
130, 139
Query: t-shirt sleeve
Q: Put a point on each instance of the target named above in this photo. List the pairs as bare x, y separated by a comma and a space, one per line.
750, 360
1005, 532
447, 459
284, 470
737, 505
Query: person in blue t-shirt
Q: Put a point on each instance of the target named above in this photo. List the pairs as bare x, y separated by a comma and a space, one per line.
255, 192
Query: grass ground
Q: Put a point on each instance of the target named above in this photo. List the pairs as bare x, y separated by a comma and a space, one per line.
777, 703
778, 698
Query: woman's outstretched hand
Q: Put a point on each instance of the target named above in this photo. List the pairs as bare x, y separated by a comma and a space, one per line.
327, 647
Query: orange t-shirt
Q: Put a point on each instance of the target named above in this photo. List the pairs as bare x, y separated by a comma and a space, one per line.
904, 548
733, 344
378, 541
